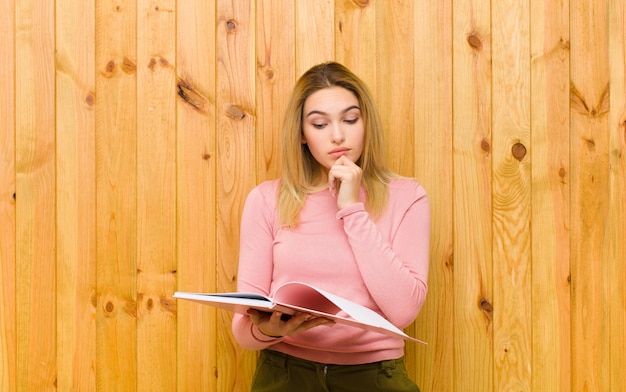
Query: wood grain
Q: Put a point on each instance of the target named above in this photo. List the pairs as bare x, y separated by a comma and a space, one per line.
395, 91
236, 115
196, 202
434, 363
550, 139
315, 36
356, 42
35, 176
589, 102
614, 247
472, 154
511, 195
125, 173
116, 196
76, 197
7, 199
275, 75
156, 195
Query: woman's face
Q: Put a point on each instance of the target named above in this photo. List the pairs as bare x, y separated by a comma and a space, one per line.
332, 125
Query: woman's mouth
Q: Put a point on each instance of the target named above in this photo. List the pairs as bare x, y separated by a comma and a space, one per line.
338, 152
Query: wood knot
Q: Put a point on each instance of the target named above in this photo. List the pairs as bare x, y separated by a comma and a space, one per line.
192, 96
168, 305
109, 69
231, 26
149, 304
486, 306
131, 308
90, 99
129, 66
485, 146
235, 112
163, 62
362, 3
206, 156
474, 41
519, 151
450, 261
109, 307
152, 64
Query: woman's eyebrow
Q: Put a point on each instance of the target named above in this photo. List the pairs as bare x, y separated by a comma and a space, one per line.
325, 114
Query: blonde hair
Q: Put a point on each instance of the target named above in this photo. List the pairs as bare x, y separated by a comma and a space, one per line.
301, 172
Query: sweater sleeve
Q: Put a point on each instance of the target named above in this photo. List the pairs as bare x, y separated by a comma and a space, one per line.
255, 264
395, 270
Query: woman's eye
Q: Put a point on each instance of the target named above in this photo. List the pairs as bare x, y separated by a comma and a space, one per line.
318, 126
352, 120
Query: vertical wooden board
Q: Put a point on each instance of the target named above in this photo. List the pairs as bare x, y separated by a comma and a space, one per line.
550, 156
35, 292
116, 195
235, 113
589, 109
434, 363
473, 278
395, 59
511, 194
315, 36
156, 195
614, 245
355, 42
76, 258
7, 197
275, 75
196, 208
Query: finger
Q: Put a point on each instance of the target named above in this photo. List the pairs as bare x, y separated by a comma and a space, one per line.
316, 322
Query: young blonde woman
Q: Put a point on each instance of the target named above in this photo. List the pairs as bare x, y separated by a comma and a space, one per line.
340, 220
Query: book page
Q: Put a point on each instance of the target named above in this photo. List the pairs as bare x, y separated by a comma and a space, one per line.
304, 297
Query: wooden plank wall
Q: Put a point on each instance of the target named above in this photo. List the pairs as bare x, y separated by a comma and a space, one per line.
133, 130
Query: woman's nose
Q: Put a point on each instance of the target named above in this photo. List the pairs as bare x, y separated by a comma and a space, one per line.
338, 135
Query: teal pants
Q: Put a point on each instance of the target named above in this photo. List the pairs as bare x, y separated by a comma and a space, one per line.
278, 372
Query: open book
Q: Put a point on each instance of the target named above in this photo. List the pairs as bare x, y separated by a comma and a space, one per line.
294, 297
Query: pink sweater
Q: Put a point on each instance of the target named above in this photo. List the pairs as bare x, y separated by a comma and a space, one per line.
380, 264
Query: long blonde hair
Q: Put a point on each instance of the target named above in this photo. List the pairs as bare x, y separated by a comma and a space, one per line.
301, 172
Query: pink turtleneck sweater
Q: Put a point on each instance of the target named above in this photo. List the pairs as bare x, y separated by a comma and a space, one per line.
380, 264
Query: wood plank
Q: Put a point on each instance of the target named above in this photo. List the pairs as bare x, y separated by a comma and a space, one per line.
35, 190
235, 111
356, 42
473, 275
589, 106
275, 76
394, 27
315, 36
116, 195
156, 195
196, 207
615, 247
76, 198
7, 198
433, 364
511, 195
550, 140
